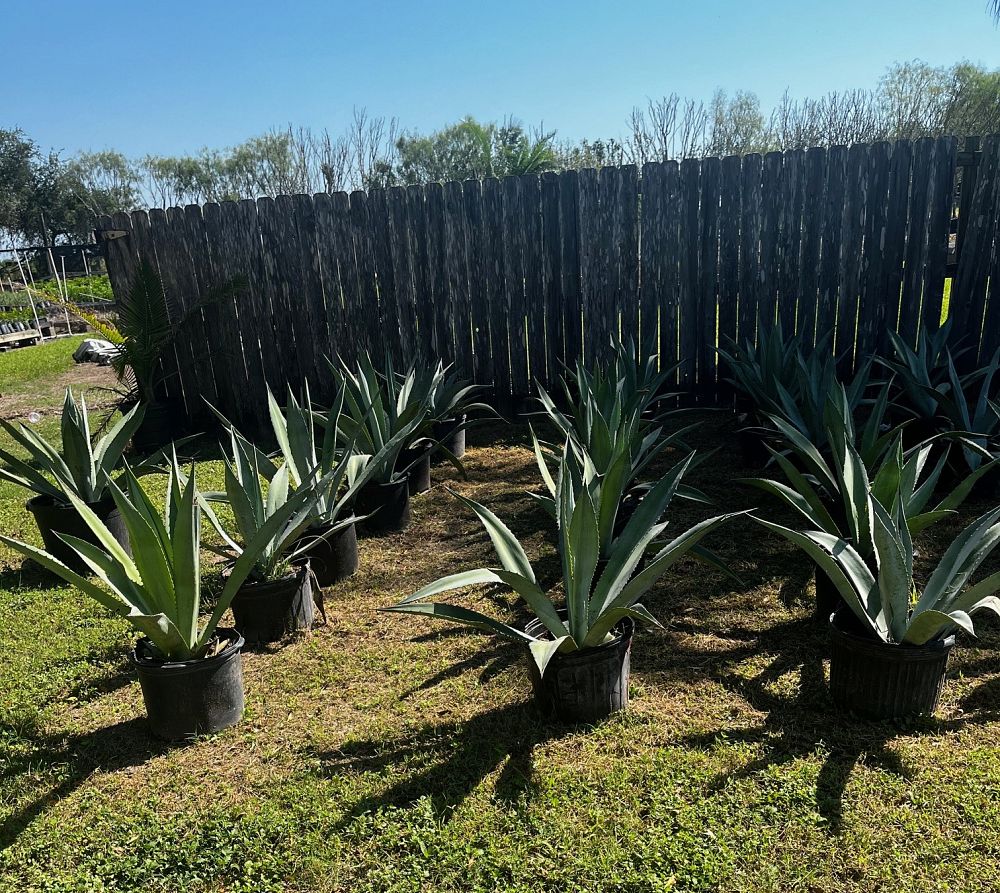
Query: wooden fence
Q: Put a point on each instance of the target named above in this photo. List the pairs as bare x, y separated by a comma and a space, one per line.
511, 278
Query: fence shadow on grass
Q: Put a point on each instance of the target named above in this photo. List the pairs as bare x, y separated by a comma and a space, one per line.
454, 758
77, 757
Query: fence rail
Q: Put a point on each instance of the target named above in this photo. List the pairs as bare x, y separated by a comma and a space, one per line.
512, 278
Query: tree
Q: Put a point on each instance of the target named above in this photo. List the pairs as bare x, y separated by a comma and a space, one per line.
471, 150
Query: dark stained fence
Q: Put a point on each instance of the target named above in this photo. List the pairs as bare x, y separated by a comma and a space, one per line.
511, 279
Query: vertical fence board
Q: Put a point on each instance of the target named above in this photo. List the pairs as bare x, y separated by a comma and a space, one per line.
767, 298
790, 245
569, 221
457, 266
534, 291
909, 314
708, 279
555, 310
833, 214
729, 249
493, 270
513, 219
479, 297
688, 304
751, 217
812, 236
895, 235
872, 299
942, 193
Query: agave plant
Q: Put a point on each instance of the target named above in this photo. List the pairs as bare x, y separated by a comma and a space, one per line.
76, 467
920, 375
381, 415
978, 426
831, 494
883, 595
597, 598
158, 588
760, 372
452, 396
252, 509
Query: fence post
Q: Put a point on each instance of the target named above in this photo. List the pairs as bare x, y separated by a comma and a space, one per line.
968, 162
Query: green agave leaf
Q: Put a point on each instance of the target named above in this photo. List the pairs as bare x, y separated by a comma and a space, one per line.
463, 616
926, 626
510, 552
543, 650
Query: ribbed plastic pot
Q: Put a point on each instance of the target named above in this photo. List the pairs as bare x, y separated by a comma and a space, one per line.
54, 518
387, 505
267, 612
753, 451
881, 681
333, 558
193, 697
158, 428
418, 478
451, 434
584, 686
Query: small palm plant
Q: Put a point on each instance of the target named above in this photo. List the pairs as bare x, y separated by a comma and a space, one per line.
76, 467
158, 588
596, 600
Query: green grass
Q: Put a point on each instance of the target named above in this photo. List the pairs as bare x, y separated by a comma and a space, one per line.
386, 753
25, 365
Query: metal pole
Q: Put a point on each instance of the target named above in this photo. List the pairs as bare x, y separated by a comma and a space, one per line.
31, 296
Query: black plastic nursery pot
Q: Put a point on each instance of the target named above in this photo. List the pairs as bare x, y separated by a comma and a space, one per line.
192, 697
584, 686
450, 433
267, 612
418, 478
333, 558
752, 443
54, 518
881, 681
387, 507
158, 428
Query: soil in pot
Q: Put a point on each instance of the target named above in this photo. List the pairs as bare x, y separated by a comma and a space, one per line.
333, 558
387, 507
584, 686
195, 697
54, 518
418, 461
451, 435
880, 681
267, 612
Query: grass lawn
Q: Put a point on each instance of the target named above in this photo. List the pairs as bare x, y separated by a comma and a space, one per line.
387, 753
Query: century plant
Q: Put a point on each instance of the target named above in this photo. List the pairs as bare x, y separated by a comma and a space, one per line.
452, 396
158, 588
596, 598
882, 594
252, 508
760, 371
830, 491
76, 467
976, 426
382, 414
920, 375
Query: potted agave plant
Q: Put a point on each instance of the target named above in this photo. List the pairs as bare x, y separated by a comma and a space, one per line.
189, 668
451, 403
278, 595
890, 646
75, 470
830, 493
376, 423
580, 650
338, 473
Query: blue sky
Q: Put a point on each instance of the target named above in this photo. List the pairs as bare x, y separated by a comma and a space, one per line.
173, 77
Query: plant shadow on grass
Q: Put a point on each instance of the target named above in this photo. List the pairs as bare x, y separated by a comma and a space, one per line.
799, 724
454, 758
115, 747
